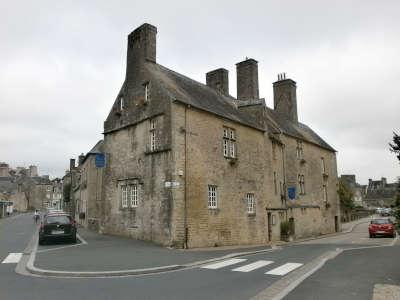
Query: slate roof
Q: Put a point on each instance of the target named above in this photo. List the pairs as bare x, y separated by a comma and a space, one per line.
7, 185
198, 95
96, 149
188, 91
298, 130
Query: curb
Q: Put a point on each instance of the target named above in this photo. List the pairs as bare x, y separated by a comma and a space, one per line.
33, 244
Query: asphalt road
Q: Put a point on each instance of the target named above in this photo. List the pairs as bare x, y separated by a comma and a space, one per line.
351, 271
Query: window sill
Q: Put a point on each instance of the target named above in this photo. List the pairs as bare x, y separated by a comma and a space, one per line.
213, 211
149, 152
251, 215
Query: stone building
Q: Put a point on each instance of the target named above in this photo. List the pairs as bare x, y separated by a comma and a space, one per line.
26, 189
380, 193
189, 165
88, 189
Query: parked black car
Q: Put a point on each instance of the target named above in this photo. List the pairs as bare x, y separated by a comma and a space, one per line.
56, 226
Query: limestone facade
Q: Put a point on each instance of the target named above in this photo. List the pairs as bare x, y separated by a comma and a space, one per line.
187, 165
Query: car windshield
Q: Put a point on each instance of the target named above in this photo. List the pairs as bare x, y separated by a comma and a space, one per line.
58, 219
381, 221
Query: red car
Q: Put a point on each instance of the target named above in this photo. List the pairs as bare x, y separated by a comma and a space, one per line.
383, 227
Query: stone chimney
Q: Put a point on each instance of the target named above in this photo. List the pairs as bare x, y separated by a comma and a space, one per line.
384, 182
218, 80
33, 171
285, 99
81, 158
141, 48
247, 80
71, 164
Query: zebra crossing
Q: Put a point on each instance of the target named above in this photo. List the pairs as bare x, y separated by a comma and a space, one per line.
12, 258
277, 271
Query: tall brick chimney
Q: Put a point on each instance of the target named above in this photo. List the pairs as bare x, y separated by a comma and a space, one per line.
218, 80
285, 99
141, 48
247, 80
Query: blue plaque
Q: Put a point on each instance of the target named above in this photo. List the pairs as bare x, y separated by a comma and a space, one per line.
100, 160
291, 193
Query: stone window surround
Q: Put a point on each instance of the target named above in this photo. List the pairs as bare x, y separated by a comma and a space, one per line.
128, 183
299, 150
212, 202
153, 139
251, 204
302, 184
325, 193
146, 87
229, 142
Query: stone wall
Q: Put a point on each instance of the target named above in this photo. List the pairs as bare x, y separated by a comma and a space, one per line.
312, 203
206, 165
131, 161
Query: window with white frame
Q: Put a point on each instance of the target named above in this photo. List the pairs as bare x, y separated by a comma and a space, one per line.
133, 195
302, 185
124, 196
212, 196
229, 142
299, 150
146, 92
251, 205
153, 135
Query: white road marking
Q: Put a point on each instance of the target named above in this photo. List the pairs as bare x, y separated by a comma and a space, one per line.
224, 263
253, 266
12, 258
284, 269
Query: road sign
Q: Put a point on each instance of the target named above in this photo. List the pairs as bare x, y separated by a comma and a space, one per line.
100, 160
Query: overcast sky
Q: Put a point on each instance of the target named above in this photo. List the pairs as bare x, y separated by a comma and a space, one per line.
62, 64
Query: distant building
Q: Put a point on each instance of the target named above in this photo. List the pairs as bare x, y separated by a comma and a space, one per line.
380, 193
4, 170
26, 189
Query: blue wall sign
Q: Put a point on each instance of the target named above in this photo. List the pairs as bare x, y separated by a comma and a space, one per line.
291, 193
100, 160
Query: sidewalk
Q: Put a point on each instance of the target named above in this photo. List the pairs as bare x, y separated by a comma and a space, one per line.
112, 253
349, 226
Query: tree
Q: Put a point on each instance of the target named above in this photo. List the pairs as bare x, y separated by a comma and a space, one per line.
345, 196
395, 147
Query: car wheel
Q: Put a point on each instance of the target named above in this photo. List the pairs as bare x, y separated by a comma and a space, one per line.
73, 239
41, 242
371, 236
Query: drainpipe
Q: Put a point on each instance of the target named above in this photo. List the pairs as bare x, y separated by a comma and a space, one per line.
284, 178
185, 245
